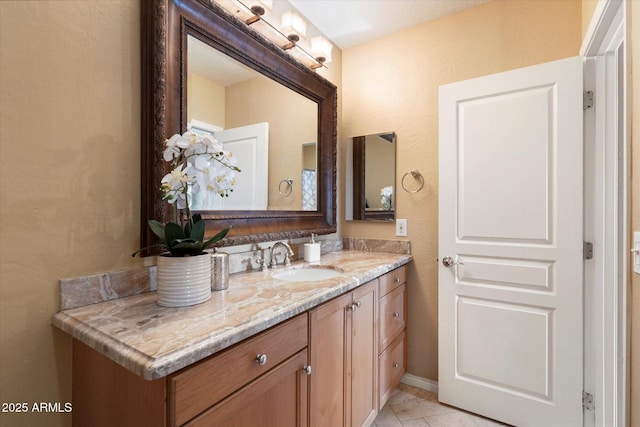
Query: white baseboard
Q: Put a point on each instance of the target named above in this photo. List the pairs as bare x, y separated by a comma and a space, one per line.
420, 382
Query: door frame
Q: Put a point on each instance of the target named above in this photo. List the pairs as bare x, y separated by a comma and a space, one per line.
607, 350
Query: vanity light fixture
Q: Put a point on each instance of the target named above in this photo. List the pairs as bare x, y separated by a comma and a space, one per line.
321, 50
294, 27
288, 36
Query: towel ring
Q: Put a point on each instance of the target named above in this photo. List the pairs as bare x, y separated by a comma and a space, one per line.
415, 173
289, 185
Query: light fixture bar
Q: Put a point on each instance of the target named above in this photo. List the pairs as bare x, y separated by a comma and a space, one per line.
252, 12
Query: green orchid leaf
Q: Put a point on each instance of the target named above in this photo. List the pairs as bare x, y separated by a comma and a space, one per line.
221, 235
197, 231
188, 227
173, 232
183, 242
158, 229
187, 247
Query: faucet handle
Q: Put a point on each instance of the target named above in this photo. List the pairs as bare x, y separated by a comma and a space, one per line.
287, 259
261, 263
269, 263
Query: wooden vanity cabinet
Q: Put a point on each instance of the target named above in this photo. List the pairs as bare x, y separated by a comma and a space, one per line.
343, 351
392, 343
263, 377
355, 345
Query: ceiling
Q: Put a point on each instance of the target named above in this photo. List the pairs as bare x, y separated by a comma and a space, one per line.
214, 65
345, 22
348, 23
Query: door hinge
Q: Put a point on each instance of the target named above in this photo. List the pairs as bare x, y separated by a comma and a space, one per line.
587, 401
587, 250
587, 99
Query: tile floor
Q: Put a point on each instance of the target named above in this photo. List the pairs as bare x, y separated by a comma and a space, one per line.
413, 407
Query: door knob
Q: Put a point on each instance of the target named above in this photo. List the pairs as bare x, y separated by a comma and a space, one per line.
449, 262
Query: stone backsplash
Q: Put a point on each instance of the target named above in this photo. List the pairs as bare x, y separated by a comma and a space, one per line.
95, 288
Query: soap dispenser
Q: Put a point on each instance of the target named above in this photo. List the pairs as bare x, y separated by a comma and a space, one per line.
312, 250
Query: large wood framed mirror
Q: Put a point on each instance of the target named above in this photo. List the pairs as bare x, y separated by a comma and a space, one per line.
169, 28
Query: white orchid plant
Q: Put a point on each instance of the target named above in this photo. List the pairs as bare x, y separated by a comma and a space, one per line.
199, 163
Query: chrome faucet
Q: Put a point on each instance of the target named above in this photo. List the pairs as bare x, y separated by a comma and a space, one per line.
287, 256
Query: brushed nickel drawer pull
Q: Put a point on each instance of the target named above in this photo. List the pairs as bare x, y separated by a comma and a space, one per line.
396, 314
396, 365
261, 359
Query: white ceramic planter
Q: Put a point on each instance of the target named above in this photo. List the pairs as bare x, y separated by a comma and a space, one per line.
183, 281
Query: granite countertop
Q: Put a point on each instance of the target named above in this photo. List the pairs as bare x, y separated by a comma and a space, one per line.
154, 341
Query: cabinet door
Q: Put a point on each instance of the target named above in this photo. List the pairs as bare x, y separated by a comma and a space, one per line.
393, 365
363, 366
328, 360
276, 399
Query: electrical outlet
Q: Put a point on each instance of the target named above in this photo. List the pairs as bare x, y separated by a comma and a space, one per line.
401, 227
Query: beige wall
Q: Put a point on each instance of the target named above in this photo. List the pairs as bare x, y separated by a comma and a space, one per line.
69, 176
205, 100
392, 84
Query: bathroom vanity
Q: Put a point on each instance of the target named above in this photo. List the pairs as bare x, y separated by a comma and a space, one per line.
285, 352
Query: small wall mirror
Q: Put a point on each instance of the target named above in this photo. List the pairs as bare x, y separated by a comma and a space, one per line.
371, 177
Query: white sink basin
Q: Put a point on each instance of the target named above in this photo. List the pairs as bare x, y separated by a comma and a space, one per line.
309, 274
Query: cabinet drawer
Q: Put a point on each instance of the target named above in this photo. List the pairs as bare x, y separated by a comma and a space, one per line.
277, 399
392, 280
195, 389
392, 366
393, 316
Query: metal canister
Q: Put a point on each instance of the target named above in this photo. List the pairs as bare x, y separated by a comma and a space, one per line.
219, 271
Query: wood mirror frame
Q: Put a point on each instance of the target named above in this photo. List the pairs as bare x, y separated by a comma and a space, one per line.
165, 25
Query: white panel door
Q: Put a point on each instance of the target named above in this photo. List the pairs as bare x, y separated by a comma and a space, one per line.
510, 218
250, 146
